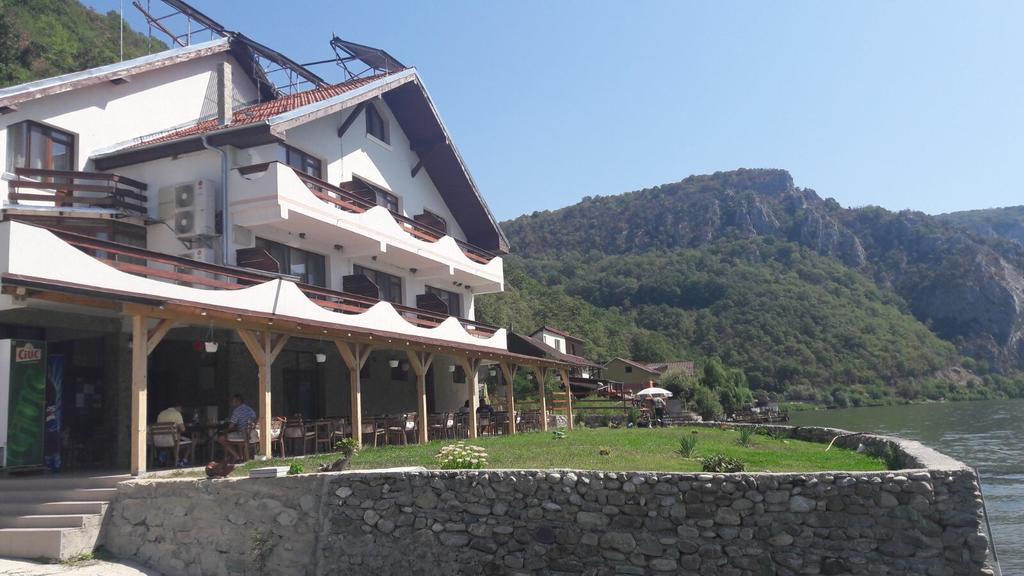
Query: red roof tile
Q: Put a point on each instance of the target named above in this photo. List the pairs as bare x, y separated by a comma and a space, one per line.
266, 110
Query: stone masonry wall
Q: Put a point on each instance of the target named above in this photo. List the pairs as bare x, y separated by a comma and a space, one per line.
917, 521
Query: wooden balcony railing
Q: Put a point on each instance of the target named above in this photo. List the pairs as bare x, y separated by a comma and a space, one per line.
186, 272
67, 188
349, 202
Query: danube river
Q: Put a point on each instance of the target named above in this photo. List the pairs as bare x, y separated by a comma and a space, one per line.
988, 435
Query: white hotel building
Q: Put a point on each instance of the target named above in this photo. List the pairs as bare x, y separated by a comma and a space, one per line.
330, 242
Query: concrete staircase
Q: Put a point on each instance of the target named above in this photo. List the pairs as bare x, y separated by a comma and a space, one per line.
53, 517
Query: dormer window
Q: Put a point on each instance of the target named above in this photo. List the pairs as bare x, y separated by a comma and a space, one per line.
376, 125
32, 145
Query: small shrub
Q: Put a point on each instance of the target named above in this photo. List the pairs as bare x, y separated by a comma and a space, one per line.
296, 468
687, 445
773, 432
347, 446
559, 434
603, 451
462, 456
746, 436
721, 463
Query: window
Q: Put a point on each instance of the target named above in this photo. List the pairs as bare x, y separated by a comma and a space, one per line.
453, 300
629, 369
309, 267
376, 126
373, 193
390, 287
31, 145
301, 161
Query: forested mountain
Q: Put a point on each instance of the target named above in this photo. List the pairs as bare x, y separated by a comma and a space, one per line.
1005, 223
809, 298
43, 38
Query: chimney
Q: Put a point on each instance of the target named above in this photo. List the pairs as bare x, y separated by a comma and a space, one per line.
224, 94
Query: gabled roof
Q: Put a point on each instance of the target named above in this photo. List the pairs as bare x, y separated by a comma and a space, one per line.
13, 95
261, 112
561, 333
405, 96
523, 344
629, 362
662, 367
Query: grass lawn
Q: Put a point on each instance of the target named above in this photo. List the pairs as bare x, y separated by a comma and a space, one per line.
640, 449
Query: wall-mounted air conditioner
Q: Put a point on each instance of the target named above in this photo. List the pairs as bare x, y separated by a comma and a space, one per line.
190, 208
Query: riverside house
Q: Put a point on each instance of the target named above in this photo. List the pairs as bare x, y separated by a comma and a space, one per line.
639, 375
176, 230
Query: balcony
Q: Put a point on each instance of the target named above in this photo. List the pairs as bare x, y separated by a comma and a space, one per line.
190, 273
68, 190
274, 195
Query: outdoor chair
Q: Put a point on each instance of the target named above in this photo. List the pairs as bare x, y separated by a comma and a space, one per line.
437, 426
324, 435
303, 433
249, 443
165, 437
412, 426
277, 436
398, 428
339, 431
371, 429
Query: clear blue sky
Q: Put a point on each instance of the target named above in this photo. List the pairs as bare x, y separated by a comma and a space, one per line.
900, 104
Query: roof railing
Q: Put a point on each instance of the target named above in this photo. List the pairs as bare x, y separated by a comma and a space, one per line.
196, 274
71, 189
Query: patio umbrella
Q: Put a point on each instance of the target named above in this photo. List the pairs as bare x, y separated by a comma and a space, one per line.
654, 392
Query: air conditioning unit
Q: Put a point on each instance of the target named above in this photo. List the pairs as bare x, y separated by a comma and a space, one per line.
190, 208
206, 255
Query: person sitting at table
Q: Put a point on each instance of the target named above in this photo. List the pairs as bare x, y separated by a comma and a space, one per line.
465, 408
241, 417
485, 409
172, 415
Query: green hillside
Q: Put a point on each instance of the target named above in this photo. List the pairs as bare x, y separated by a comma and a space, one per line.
43, 38
811, 300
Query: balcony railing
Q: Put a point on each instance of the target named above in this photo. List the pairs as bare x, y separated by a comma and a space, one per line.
193, 273
70, 189
349, 202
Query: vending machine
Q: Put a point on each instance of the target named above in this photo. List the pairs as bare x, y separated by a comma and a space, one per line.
22, 402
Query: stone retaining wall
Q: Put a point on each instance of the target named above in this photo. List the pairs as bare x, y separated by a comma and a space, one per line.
924, 521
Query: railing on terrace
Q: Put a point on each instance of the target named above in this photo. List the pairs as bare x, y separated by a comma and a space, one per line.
186, 272
349, 202
69, 188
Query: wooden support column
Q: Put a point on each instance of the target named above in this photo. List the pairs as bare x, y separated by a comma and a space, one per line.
542, 374
420, 362
568, 393
470, 365
355, 356
144, 341
508, 370
264, 350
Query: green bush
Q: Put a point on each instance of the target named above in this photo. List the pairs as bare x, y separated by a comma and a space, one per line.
721, 463
687, 445
296, 468
746, 435
705, 402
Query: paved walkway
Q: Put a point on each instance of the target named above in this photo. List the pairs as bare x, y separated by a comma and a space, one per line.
88, 568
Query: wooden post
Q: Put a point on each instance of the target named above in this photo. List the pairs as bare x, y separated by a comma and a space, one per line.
542, 374
568, 393
264, 350
355, 356
508, 370
143, 343
420, 362
139, 394
470, 365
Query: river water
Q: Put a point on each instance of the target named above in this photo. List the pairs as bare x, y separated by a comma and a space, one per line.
988, 435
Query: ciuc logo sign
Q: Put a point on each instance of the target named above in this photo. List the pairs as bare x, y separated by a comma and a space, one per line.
28, 353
